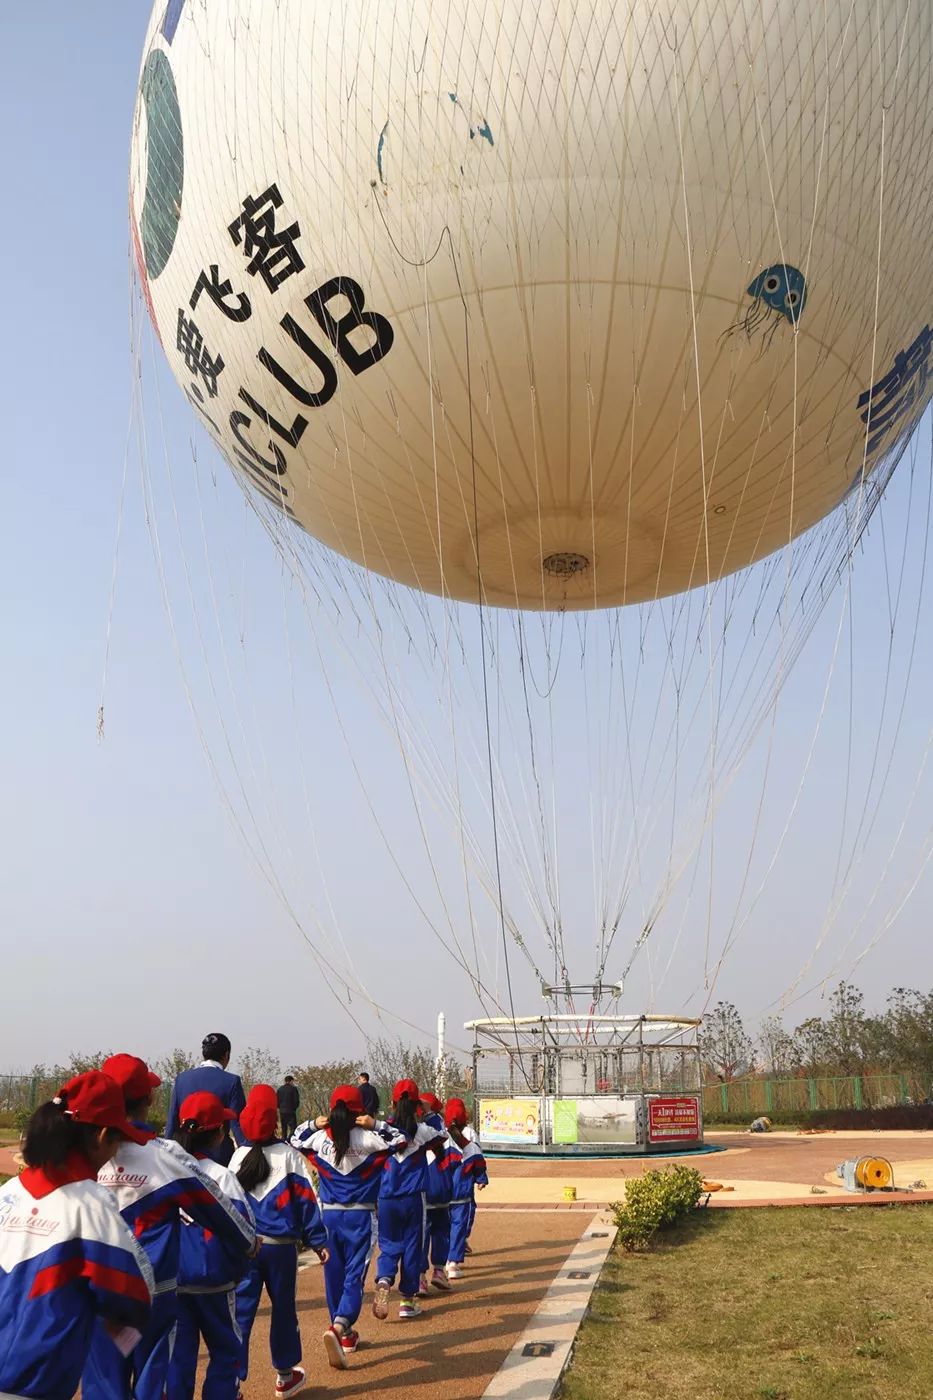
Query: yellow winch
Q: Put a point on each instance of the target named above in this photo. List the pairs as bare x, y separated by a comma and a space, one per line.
866, 1174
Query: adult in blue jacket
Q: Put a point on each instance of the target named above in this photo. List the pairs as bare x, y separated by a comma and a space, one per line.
211, 1077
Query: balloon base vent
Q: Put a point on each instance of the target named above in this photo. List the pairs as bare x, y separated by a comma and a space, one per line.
565, 565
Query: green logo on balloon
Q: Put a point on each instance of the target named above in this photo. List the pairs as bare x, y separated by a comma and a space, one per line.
165, 163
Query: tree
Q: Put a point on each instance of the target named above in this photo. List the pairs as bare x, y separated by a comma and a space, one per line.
848, 1030
778, 1052
317, 1082
905, 1035
391, 1060
725, 1049
257, 1065
169, 1067
812, 1046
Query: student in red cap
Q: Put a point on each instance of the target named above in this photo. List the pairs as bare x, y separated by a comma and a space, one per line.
469, 1172
208, 1270
439, 1191
401, 1214
349, 1150
280, 1190
152, 1185
67, 1259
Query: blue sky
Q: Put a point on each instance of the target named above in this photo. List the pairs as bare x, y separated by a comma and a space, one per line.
132, 917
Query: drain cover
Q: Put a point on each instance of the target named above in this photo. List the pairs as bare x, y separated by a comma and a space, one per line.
578, 1273
538, 1348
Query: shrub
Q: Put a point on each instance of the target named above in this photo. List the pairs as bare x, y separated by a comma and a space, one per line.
654, 1202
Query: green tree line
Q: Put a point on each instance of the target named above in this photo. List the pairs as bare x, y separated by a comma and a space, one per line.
847, 1040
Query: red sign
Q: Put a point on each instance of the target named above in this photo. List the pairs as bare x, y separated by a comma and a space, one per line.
673, 1120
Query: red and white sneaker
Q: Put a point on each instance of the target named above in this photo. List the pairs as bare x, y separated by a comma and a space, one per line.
350, 1341
440, 1280
381, 1299
423, 1289
289, 1385
333, 1345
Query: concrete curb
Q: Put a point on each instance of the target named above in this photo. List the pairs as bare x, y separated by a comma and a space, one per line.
533, 1368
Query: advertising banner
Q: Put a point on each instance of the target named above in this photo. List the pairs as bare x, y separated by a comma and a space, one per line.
674, 1119
510, 1120
565, 1120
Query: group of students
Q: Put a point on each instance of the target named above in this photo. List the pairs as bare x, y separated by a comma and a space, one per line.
120, 1251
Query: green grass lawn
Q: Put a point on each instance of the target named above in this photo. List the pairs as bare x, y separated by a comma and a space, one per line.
779, 1304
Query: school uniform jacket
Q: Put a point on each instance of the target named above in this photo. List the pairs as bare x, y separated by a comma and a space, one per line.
441, 1164
207, 1263
152, 1185
284, 1205
355, 1179
469, 1170
406, 1171
66, 1258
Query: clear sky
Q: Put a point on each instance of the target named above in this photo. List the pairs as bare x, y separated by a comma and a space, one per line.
131, 916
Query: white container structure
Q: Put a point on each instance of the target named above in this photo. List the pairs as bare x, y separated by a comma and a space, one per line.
568, 1085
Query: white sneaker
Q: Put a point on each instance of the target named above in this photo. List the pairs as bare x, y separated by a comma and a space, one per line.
290, 1385
453, 1271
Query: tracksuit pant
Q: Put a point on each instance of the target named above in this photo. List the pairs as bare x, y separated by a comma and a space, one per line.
275, 1268
461, 1219
436, 1237
144, 1373
401, 1240
350, 1238
213, 1317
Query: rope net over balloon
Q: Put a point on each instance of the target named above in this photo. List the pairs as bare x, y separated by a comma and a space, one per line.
564, 357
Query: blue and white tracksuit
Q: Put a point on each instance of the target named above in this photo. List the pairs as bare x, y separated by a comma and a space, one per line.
469, 1171
401, 1211
348, 1192
208, 1273
67, 1260
152, 1185
439, 1192
287, 1216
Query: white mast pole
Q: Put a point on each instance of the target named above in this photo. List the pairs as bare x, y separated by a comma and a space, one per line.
440, 1074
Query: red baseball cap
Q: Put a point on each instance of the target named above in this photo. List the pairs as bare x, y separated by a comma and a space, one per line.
456, 1113
132, 1074
96, 1099
405, 1086
432, 1102
204, 1110
258, 1118
349, 1095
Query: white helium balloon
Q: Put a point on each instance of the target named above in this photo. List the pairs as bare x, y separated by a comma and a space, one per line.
560, 305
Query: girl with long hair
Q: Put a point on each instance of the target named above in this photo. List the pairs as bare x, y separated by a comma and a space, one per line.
67, 1259
280, 1190
348, 1150
401, 1214
209, 1269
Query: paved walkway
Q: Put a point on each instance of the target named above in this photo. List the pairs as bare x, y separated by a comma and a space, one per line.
454, 1350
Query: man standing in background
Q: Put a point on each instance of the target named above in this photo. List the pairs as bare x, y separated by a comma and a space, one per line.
211, 1077
368, 1095
288, 1099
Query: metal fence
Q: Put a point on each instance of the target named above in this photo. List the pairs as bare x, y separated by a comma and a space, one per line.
21, 1093
786, 1098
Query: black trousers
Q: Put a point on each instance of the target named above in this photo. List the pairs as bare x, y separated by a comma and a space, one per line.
289, 1124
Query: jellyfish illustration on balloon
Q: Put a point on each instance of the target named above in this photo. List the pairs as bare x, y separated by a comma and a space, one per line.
779, 294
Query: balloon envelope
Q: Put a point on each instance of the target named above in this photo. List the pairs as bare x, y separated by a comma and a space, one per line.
553, 305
